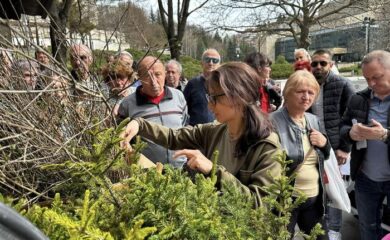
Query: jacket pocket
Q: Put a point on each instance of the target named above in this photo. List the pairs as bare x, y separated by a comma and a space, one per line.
245, 176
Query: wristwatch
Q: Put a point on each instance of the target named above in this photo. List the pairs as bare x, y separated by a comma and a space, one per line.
385, 135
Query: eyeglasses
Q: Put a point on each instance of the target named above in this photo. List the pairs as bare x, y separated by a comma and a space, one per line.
213, 98
81, 57
322, 63
211, 59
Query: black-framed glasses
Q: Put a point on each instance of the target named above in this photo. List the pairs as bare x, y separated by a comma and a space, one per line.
211, 59
322, 63
213, 98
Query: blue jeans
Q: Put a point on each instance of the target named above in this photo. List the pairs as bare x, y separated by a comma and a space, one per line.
334, 219
369, 197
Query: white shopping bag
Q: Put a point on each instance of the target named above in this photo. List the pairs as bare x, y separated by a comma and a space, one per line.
334, 185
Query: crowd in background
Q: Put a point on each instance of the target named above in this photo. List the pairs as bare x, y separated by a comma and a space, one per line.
238, 109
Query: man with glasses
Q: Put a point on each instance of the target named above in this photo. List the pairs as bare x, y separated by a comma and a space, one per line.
330, 106
195, 91
81, 60
367, 119
157, 103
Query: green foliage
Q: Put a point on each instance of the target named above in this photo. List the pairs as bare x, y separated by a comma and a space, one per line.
354, 68
191, 67
281, 60
102, 155
151, 205
281, 68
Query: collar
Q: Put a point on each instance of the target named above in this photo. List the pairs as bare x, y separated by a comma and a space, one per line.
143, 99
292, 123
372, 97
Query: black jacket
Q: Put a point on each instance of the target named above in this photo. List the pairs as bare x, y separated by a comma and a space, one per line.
358, 108
336, 93
274, 97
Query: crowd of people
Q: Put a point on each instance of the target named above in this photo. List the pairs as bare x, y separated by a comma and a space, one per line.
236, 108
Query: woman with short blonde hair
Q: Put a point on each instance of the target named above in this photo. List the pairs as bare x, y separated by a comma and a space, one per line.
304, 143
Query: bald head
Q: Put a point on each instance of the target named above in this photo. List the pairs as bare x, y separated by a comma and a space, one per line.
76, 48
210, 61
152, 74
81, 59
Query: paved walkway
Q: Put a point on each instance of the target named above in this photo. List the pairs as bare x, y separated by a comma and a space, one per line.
350, 228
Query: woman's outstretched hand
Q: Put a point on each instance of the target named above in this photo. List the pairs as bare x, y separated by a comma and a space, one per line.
195, 160
130, 131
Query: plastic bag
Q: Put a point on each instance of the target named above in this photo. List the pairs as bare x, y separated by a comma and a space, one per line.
334, 185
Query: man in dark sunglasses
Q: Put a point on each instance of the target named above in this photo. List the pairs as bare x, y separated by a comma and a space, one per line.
195, 91
329, 107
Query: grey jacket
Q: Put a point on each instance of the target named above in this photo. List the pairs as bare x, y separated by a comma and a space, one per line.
170, 112
291, 140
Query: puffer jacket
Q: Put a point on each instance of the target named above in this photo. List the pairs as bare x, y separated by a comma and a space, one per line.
337, 91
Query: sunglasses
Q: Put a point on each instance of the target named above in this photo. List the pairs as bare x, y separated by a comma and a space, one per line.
322, 63
210, 59
213, 98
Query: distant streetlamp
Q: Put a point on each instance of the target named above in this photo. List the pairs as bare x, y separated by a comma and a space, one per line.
238, 51
367, 23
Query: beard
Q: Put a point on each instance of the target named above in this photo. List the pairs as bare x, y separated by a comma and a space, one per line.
320, 77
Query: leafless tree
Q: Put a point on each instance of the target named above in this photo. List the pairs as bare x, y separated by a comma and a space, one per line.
59, 14
175, 27
292, 17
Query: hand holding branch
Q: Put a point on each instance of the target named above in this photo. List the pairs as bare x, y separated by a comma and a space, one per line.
196, 160
130, 131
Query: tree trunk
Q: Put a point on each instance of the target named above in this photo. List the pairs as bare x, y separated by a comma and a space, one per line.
58, 41
175, 48
36, 31
304, 39
59, 13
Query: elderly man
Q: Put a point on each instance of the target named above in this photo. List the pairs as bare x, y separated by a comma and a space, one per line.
195, 92
157, 103
365, 124
174, 79
81, 60
331, 103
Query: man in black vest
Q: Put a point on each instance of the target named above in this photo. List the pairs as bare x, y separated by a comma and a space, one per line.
330, 106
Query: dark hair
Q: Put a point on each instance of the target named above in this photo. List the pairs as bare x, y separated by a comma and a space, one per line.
241, 85
257, 60
323, 52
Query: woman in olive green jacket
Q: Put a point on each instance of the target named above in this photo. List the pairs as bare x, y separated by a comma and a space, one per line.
244, 136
